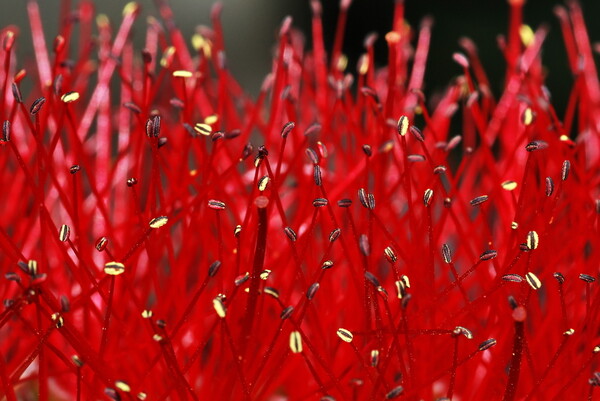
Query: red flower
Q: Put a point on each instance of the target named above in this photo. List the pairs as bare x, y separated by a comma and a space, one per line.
165, 236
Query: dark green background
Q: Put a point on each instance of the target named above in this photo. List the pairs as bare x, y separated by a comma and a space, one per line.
482, 21
251, 27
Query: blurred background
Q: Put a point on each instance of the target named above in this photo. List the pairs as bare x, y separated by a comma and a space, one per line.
251, 27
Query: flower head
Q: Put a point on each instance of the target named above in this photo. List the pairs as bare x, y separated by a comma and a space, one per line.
166, 236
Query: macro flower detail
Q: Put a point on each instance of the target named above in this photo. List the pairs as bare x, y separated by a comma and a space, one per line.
344, 235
